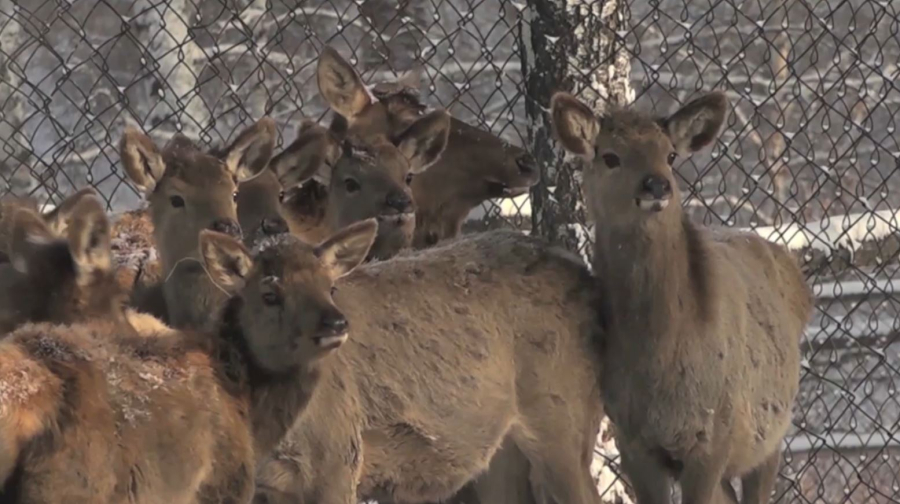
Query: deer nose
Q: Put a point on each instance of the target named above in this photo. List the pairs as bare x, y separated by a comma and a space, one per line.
274, 226
658, 187
332, 324
227, 226
527, 164
399, 201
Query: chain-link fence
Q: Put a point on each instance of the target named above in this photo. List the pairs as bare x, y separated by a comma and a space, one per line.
808, 158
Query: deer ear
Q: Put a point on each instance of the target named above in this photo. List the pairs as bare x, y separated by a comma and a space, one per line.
425, 140
340, 85
142, 160
574, 124
697, 124
348, 248
58, 218
251, 151
313, 151
89, 237
29, 233
226, 260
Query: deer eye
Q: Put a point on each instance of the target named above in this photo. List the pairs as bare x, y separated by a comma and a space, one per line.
611, 160
333, 290
234, 195
281, 196
176, 201
671, 158
271, 298
409, 177
351, 185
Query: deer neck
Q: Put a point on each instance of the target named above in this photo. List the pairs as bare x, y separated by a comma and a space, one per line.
649, 277
275, 400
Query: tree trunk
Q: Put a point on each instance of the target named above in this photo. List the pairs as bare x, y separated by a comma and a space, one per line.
15, 148
173, 56
570, 45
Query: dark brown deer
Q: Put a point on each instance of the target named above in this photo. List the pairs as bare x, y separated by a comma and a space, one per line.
56, 218
189, 191
455, 348
476, 165
702, 363
93, 412
60, 269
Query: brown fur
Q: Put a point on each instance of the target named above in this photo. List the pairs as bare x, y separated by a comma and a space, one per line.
702, 362
91, 413
60, 277
475, 166
188, 191
453, 349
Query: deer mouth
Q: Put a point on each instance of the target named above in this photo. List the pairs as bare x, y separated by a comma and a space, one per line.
331, 341
652, 205
396, 218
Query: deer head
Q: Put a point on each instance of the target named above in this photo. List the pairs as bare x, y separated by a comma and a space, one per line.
189, 190
629, 155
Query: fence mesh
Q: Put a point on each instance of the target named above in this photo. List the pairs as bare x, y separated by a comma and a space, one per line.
808, 158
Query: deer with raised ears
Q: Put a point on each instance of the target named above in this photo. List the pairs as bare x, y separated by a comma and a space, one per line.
189, 191
179, 417
701, 364
370, 176
57, 218
283, 198
60, 268
486, 338
475, 166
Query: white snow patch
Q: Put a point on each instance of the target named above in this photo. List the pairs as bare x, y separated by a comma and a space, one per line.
840, 231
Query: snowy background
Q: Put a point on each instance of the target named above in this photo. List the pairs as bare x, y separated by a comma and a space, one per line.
809, 157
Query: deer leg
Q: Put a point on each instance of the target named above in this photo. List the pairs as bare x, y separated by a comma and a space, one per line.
507, 480
759, 483
648, 478
701, 479
557, 467
729, 496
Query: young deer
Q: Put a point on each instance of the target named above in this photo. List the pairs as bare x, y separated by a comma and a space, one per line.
475, 166
56, 218
701, 364
91, 412
361, 177
189, 191
60, 269
455, 348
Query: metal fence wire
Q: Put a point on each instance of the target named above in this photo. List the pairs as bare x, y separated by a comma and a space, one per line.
808, 158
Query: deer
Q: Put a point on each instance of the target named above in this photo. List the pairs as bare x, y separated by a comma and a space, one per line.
362, 177
57, 218
703, 325
474, 167
456, 348
180, 416
61, 268
189, 190
462, 178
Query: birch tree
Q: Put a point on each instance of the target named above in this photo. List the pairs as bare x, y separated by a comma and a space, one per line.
570, 45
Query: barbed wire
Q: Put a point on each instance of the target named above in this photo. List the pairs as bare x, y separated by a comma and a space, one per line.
809, 156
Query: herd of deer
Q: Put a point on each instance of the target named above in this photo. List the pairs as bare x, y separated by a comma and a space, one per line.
272, 362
